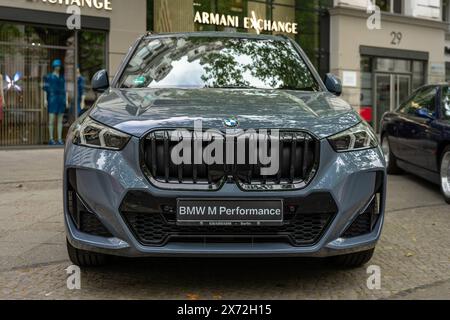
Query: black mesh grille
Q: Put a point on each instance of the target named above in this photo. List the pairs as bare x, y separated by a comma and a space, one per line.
153, 222
91, 224
299, 156
155, 229
361, 226
365, 222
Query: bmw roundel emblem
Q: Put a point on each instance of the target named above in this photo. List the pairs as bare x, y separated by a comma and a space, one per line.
231, 123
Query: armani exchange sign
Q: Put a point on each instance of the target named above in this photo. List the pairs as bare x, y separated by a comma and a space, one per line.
96, 4
253, 22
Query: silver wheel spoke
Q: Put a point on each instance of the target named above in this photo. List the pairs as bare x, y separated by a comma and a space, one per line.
386, 150
445, 174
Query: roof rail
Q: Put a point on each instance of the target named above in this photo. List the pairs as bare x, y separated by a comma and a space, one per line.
283, 36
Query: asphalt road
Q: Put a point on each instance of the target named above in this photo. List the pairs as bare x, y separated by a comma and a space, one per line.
413, 255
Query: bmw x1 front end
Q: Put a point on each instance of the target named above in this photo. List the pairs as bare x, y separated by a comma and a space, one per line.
221, 145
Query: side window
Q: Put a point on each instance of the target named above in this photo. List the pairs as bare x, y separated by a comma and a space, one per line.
446, 103
406, 108
423, 99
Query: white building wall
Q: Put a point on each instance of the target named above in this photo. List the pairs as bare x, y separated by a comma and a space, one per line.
427, 9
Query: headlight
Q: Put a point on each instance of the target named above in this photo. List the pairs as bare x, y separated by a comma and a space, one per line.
90, 133
359, 137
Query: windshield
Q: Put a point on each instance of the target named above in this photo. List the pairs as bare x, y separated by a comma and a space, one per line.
208, 62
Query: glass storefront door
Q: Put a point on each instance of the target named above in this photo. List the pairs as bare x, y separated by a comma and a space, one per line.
383, 94
402, 89
390, 91
386, 83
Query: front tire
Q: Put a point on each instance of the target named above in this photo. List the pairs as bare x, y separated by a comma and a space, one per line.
391, 159
84, 258
445, 174
354, 260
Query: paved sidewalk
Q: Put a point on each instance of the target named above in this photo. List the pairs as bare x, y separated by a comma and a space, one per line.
414, 253
31, 165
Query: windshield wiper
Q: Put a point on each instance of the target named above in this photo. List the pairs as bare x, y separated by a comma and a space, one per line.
296, 88
231, 87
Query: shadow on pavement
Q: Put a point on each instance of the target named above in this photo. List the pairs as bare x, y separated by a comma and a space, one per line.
422, 182
222, 277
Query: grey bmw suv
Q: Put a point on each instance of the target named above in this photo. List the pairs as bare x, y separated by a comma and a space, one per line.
216, 144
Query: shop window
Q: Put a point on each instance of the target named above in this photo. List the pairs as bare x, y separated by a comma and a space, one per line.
38, 71
393, 65
27, 54
447, 71
366, 104
418, 74
392, 6
92, 58
397, 6
446, 10
385, 5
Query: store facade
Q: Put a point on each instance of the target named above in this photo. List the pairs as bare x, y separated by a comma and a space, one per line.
305, 21
34, 36
379, 68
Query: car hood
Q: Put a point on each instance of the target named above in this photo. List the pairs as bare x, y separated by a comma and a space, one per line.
137, 111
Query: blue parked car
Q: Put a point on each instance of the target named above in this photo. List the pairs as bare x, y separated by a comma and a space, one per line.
416, 136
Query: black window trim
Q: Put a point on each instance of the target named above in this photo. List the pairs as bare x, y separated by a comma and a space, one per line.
440, 102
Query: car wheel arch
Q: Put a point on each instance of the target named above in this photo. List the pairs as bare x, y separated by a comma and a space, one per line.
440, 152
385, 135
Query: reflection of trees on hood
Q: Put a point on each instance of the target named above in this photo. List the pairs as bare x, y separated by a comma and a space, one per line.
275, 63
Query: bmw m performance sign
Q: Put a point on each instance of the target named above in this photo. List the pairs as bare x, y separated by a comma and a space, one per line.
229, 212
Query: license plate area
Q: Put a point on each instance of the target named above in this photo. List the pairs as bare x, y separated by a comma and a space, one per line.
229, 212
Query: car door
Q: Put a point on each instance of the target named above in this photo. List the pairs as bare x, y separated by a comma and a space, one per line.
433, 135
401, 137
417, 128
393, 124
441, 126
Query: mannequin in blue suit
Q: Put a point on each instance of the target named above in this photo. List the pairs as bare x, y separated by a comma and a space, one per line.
55, 99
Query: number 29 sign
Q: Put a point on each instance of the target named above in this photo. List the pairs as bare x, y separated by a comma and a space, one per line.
396, 38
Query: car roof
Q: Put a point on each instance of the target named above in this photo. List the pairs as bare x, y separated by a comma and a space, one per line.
429, 85
216, 34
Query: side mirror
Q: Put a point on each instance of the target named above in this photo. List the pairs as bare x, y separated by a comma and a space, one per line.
333, 84
424, 113
100, 81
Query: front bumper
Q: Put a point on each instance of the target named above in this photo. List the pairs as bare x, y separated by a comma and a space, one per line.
104, 178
